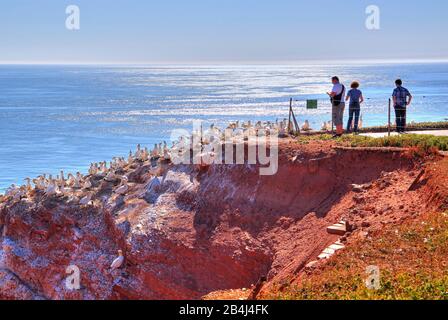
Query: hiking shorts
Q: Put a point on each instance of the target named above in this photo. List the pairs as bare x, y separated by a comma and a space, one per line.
338, 114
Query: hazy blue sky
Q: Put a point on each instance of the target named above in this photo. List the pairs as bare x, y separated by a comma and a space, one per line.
207, 31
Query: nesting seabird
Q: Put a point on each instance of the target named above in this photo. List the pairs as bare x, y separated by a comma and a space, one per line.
87, 184
86, 200
52, 188
28, 184
110, 176
118, 262
306, 126
123, 189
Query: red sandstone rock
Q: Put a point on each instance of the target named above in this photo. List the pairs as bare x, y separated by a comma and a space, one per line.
198, 232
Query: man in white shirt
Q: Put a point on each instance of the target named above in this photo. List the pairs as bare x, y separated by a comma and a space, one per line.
337, 96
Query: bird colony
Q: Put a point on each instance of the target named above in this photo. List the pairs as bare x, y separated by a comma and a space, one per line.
79, 188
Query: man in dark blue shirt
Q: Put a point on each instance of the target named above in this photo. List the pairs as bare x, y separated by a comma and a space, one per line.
402, 99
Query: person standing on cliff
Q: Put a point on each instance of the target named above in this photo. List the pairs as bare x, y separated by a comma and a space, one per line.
356, 99
402, 99
337, 96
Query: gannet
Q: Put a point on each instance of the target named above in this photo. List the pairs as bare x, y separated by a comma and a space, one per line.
93, 169
124, 186
86, 200
155, 152
166, 154
19, 193
61, 181
51, 188
103, 167
306, 126
28, 184
40, 182
70, 180
138, 153
11, 190
206, 158
324, 126
118, 262
281, 132
110, 176
145, 156
73, 199
87, 184
78, 179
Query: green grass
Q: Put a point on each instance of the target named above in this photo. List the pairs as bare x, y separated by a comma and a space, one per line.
413, 262
415, 126
426, 143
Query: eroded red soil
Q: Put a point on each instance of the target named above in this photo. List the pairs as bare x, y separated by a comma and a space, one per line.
219, 228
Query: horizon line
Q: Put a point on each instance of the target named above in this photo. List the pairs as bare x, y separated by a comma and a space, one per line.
229, 63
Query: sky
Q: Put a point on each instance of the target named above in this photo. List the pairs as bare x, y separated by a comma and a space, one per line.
224, 31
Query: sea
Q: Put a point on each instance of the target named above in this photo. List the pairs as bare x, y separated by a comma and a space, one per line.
63, 117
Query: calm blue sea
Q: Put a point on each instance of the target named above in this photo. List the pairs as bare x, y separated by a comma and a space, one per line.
64, 117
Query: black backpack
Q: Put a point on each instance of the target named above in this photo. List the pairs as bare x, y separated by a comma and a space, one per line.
336, 100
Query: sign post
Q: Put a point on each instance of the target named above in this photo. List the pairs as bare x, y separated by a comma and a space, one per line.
293, 127
388, 122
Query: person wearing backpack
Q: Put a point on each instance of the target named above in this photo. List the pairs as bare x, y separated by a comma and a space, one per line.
337, 97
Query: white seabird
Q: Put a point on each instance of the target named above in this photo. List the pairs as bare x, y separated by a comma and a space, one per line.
124, 186
28, 184
324, 126
155, 152
110, 176
93, 169
118, 262
306, 126
62, 179
86, 200
78, 179
70, 180
138, 153
87, 184
51, 188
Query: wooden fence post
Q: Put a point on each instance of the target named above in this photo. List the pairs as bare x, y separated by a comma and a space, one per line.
388, 122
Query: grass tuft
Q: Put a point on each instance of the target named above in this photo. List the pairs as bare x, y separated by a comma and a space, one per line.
424, 143
413, 262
